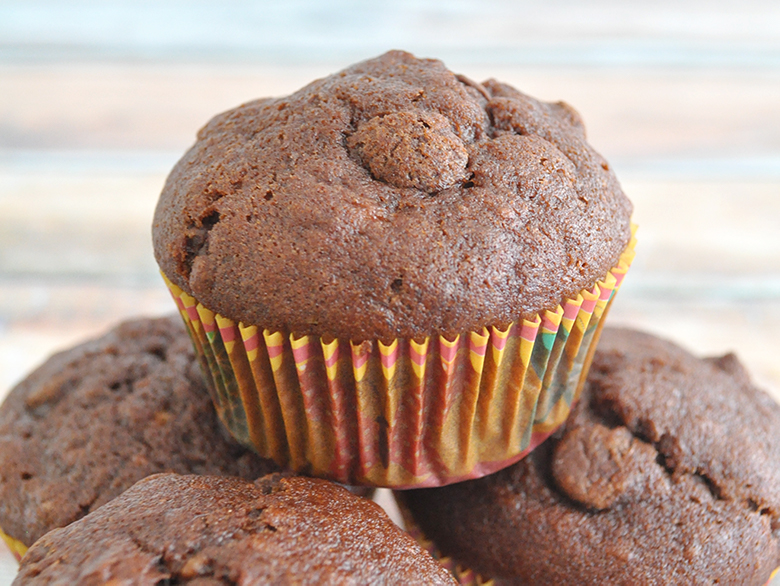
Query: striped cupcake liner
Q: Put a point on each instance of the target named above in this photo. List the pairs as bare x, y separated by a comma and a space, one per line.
404, 414
18, 549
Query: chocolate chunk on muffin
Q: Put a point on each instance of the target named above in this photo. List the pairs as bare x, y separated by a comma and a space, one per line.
391, 199
170, 529
94, 419
667, 472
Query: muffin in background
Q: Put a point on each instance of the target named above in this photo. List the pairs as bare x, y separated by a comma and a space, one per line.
667, 472
214, 530
94, 419
394, 276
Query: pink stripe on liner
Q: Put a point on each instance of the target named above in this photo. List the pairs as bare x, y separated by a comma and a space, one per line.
605, 293
252, 342
206, 318
571, 310
417, 357
619, 276
499, 338
590, 304
178, 301
413, 410
301, 353
341, 415
479, 349
192, 312
359, 358
549, 325
228, 334
274, 350
448, 351
390, 359
333, 358
529, 330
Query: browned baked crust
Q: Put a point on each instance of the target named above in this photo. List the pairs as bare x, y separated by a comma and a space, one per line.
208, 530
393, 198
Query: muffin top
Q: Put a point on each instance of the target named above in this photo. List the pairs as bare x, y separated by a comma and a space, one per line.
391, 199
94, 419
667, 472
207, 530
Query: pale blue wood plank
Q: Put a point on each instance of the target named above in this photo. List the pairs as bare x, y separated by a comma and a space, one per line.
605, 32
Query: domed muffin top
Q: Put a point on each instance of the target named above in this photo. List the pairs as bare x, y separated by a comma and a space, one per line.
97, 417
209, 530
393, 198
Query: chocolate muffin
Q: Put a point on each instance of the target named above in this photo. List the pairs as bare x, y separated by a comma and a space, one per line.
170, 529
391, 199
667, 472
94, 419
364, 264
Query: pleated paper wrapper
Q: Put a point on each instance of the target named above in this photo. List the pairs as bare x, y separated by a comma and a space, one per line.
404, 414
18, 549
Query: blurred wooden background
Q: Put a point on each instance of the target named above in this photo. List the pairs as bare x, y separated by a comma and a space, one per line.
98, 100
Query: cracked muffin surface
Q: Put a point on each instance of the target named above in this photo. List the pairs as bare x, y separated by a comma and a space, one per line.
391, 199
207, 530
667, 472
94, 419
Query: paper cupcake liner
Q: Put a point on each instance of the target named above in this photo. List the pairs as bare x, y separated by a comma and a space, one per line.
409, 413
18, 549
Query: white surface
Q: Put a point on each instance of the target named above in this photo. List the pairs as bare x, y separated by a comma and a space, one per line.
8, 566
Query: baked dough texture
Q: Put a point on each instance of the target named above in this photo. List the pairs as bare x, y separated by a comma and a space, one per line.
391, 199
